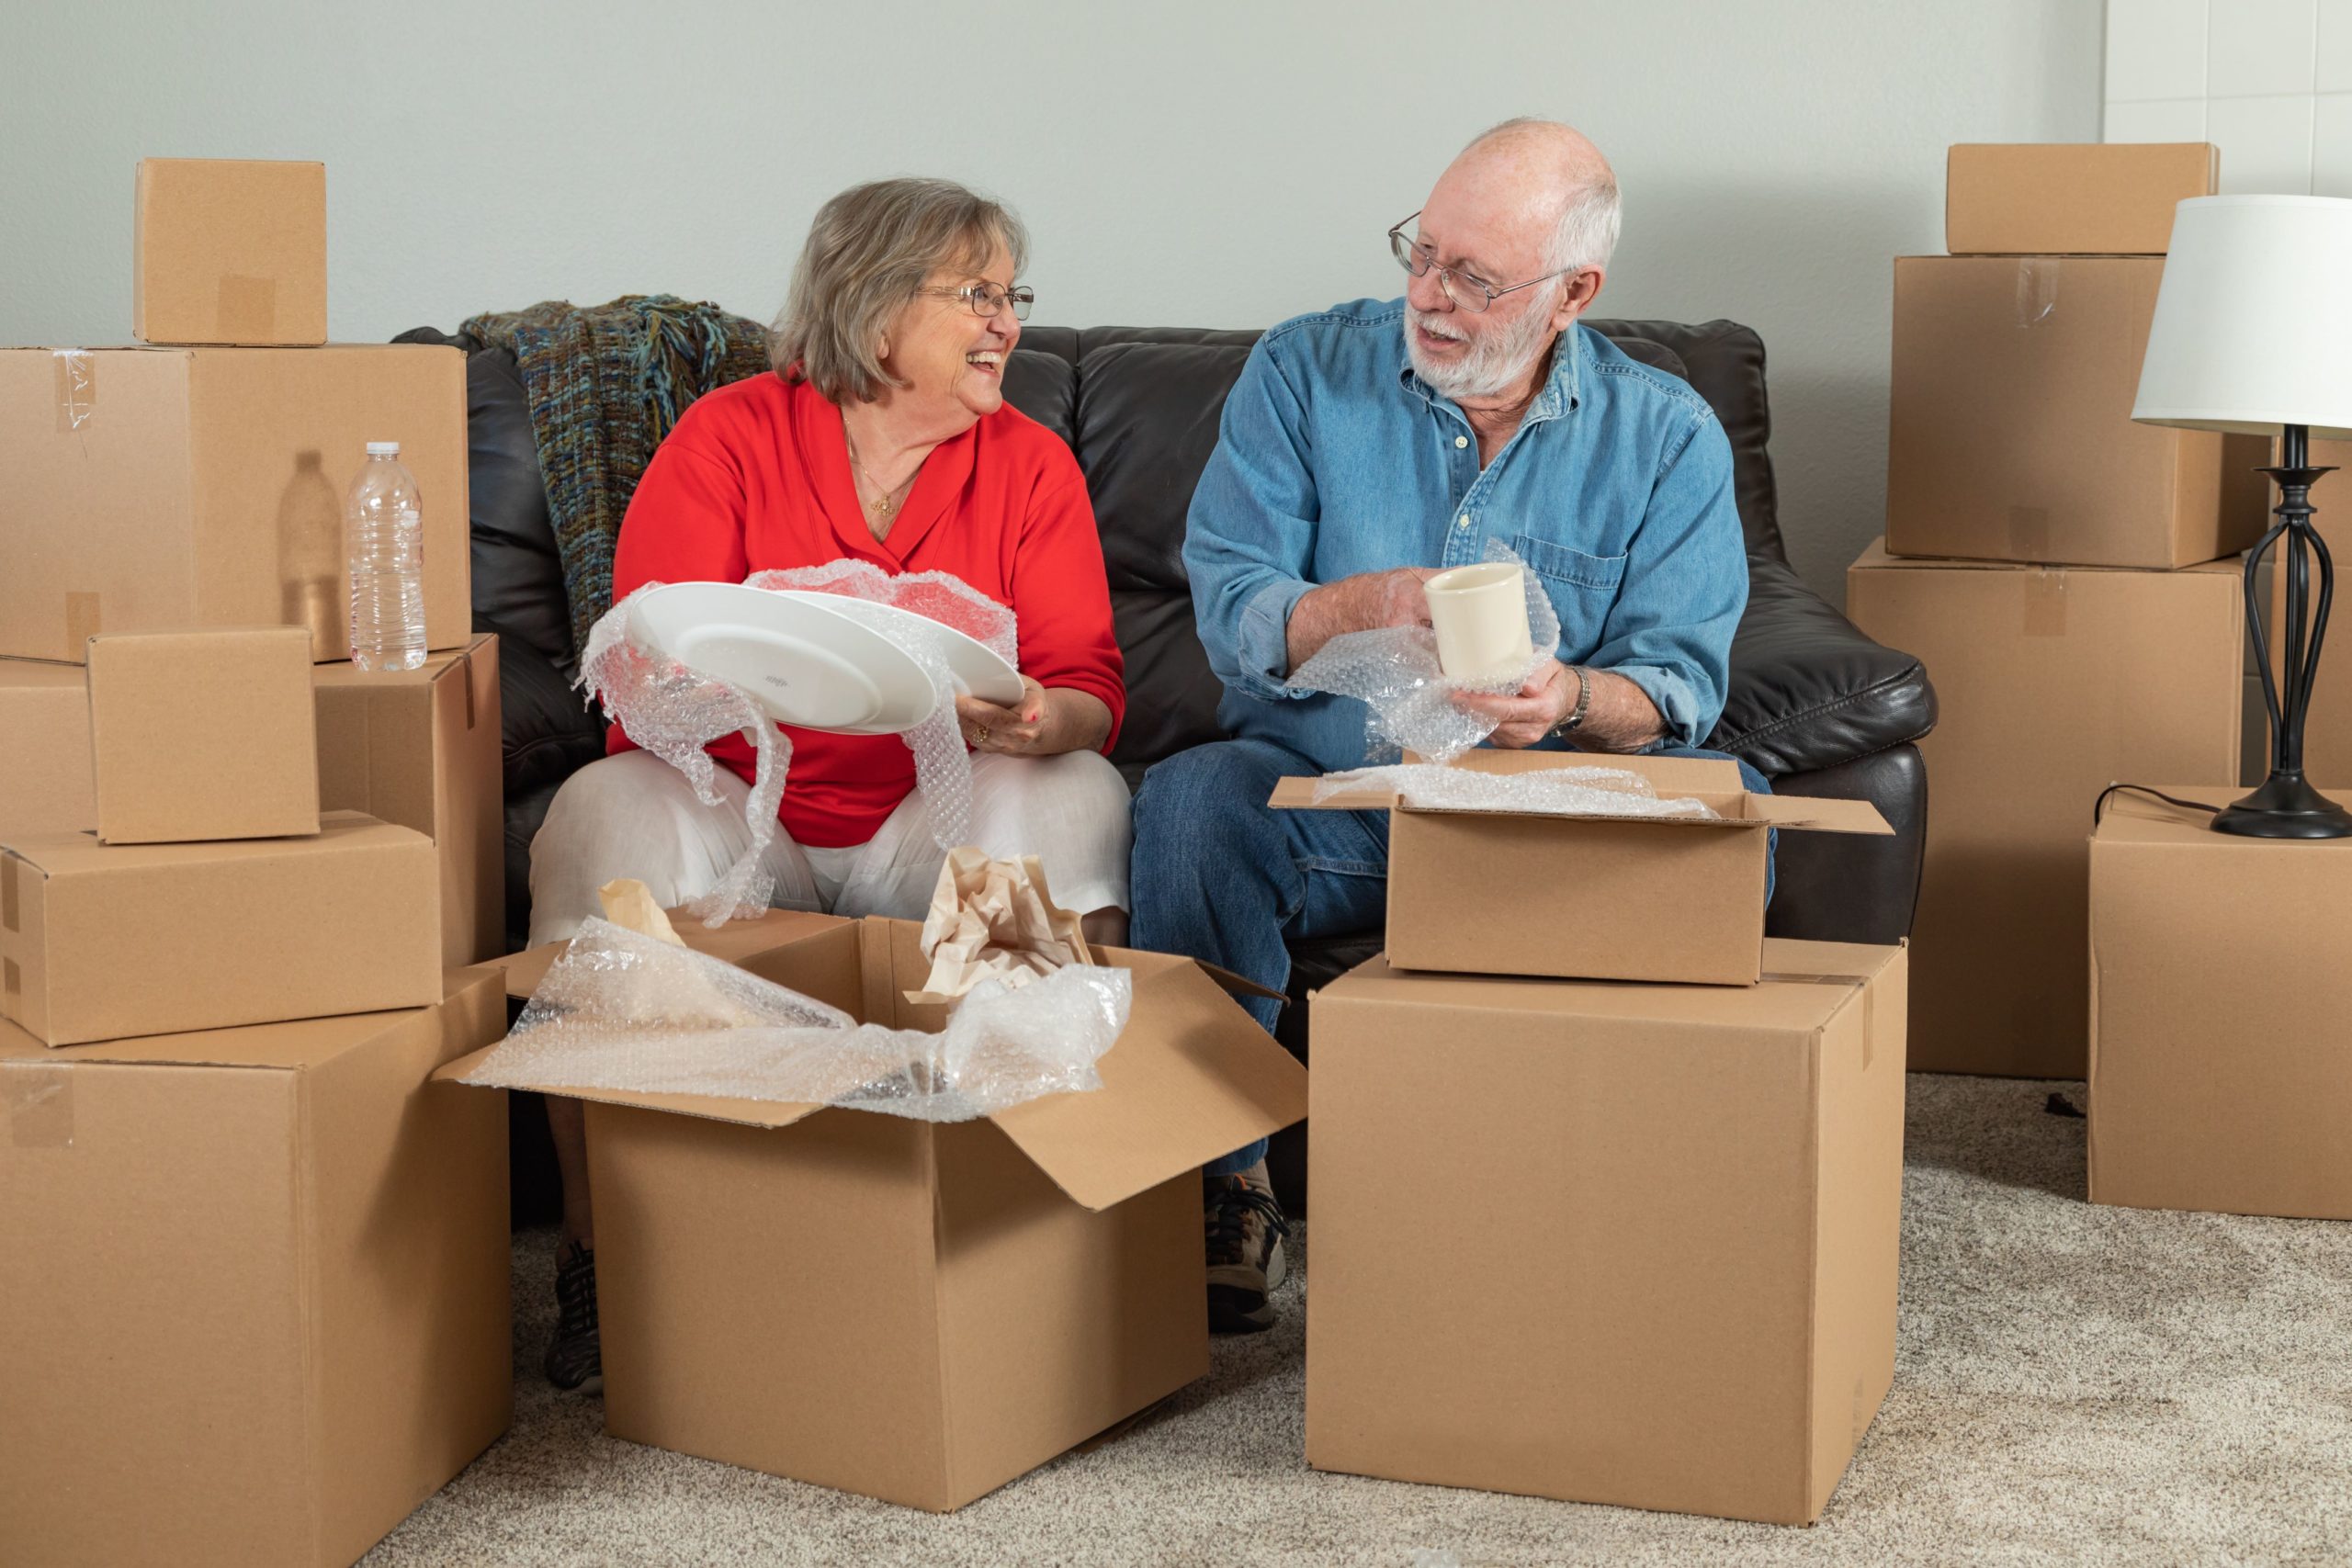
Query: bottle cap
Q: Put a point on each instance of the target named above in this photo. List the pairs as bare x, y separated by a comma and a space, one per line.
383, 448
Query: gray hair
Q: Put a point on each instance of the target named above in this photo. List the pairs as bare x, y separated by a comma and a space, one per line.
1585, 232
868, 250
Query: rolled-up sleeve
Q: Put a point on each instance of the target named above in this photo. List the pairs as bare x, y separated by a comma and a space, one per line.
1249, 535
1685, 585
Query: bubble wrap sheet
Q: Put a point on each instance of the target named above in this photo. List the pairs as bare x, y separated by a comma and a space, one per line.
675, 712
619, 1011
1547, 792
1394, 670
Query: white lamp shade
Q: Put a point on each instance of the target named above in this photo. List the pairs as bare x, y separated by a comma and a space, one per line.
2254, 319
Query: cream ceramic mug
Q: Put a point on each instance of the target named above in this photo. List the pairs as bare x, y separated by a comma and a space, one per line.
1480, 615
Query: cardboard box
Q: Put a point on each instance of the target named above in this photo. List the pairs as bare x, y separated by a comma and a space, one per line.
420, 748
2051, 684
2010, 431
203, 735
227, 251
2052, 198
1672, 1217
255, 1290
45, 784
918, 1311
165, 488
102, 942
2221, 1056
1590, 897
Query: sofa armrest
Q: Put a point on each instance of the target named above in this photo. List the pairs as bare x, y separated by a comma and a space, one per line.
1808, 690
550, 730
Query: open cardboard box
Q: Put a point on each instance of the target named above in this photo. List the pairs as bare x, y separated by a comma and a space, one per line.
1587, 896
917, 1312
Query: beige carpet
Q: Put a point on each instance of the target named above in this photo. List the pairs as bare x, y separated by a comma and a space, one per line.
2074, 1384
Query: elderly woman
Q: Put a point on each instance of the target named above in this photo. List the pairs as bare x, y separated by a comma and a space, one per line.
883, 437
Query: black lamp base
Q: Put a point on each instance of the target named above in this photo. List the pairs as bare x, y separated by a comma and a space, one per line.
2286, 806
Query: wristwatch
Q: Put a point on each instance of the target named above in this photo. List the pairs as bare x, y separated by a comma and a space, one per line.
1584, 700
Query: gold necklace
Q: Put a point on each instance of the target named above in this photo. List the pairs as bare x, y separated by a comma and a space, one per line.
886, 500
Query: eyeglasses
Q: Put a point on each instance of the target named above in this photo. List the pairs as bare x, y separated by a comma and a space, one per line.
986, 299
1476, 293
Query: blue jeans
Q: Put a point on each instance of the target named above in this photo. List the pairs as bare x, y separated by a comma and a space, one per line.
1220, 876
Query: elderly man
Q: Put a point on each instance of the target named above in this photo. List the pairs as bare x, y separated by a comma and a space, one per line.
1365, 447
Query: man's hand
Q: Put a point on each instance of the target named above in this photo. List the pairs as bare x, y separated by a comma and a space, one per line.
1358, 603
1524, 718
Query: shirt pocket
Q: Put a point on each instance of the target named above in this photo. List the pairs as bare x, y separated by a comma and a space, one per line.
1582, 587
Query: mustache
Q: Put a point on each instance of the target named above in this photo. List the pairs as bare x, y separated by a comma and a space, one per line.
1430, 322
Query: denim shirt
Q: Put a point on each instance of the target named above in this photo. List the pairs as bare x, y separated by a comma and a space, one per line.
1335, 458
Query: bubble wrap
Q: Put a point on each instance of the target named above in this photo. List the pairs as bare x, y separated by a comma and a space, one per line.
1394, 670
619, 1011
1549, 792
675, 712
943, 762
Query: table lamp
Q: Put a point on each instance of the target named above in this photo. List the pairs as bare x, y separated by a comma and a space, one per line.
2252, 335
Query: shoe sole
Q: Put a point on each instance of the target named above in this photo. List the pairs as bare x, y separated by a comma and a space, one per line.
1233, 1310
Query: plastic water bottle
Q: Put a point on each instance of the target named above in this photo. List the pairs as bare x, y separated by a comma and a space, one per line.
384, 551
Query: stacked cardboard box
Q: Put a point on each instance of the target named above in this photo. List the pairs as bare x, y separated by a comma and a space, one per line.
1671, 1157
2062, 572
261, 1253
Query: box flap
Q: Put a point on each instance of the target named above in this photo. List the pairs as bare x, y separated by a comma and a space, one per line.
710, 1107
59, 854
734, 942
1192, 1079
1803, 984
1875, 557
305, 1042
1718, 781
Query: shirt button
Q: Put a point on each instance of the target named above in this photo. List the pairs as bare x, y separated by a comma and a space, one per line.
1461, 441
1462, 521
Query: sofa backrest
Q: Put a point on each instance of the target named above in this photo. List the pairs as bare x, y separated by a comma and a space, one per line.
1140, 407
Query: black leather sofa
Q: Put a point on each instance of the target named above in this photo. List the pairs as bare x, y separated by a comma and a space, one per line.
1816, 706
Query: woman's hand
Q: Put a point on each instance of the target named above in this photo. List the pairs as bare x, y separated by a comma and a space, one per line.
1043, 724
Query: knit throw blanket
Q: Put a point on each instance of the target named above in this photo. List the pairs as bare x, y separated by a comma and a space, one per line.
606, 383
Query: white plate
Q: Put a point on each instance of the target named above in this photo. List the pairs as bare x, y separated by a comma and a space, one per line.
978, 670
806, 665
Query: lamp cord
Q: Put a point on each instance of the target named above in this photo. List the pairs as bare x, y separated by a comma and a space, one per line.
2098, 807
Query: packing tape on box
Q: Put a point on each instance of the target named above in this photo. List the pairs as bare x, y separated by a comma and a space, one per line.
1849, 982
77, 389
12, 979
84, 618
8, 909
2029, 533
39, 1096
466, 659
2045, 604
2037, 290
246, 309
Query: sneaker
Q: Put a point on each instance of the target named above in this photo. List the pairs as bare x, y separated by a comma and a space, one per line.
576, 1358
1245, 1229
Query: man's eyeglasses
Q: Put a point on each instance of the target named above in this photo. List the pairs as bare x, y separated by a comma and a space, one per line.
986, 299
1466, 289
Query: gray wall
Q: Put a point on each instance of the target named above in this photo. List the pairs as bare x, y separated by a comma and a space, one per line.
1215, 163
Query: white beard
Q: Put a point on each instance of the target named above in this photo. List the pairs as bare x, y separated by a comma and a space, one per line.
1498, 362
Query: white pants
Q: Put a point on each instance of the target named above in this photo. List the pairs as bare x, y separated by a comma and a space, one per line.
634, 815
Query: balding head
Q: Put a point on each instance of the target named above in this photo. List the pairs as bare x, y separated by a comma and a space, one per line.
1539, 177
1528, 209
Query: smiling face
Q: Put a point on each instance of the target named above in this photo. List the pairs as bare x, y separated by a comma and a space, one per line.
952, 360
1493, 215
